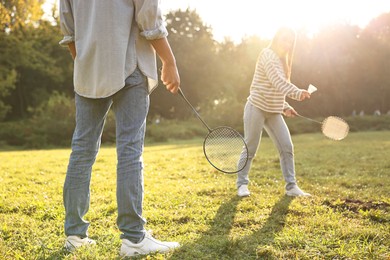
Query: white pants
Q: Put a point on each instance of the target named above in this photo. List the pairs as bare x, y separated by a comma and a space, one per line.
254, 121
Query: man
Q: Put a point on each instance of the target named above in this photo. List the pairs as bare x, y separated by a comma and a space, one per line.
113, 44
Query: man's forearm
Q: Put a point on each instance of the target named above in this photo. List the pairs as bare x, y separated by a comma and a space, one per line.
164, 51
169, 74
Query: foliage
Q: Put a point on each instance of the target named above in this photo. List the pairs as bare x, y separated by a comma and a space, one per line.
192, 44
7, 80
52, 125
16, 14
39, 64
162, 130
52, 122
14, 133
346, 63
356, 124
188, 201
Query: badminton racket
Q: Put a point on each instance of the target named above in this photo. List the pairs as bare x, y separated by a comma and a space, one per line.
223, 147
333, 127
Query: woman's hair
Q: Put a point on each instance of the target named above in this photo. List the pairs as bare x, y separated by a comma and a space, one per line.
285, 34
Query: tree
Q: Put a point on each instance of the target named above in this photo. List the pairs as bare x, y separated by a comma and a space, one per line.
41, 67
32, 63
16, 14
329, 61
7, 81
235, 64
376, 40
194, 48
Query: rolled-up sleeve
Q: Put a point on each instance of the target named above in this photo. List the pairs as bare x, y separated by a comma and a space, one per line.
286, 106
66, 22
149, 19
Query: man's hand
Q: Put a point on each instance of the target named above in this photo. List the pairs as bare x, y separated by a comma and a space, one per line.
72, 49
170, 78
169, 73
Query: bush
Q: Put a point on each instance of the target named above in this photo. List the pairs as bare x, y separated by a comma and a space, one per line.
369, 123
356, 124
160, 130
226, 112
14, 133
53, 123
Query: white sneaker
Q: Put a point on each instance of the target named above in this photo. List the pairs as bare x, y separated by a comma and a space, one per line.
73, 242
146, 246
243, 191
296, 192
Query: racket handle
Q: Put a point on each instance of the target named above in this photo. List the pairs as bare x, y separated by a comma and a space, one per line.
193, 109
309, 119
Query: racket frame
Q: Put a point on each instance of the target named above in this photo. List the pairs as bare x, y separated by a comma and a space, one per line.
324, 121
210, 131
244, 147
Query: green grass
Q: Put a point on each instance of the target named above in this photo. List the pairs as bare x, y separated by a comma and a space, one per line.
186, 200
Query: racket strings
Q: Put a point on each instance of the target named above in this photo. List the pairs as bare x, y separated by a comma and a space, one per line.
335, 128
225, 149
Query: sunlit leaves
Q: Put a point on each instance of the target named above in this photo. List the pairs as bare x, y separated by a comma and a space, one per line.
20, 13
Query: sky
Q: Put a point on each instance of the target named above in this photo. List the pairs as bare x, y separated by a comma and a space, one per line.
238, 19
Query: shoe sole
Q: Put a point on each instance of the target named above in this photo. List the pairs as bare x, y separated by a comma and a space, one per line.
298, 195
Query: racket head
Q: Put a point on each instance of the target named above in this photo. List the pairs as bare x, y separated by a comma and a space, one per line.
225, 149
335, 128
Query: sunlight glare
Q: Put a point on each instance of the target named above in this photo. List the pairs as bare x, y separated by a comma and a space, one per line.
262, 18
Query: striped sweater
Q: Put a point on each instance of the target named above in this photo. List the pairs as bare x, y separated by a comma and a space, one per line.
270, 86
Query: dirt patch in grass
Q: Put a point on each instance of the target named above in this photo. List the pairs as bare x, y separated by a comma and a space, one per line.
357, 205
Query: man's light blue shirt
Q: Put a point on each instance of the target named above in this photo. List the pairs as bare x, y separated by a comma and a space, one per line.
111, 39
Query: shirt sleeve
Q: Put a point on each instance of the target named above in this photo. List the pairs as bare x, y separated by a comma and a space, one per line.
277, 80
149, 19
66, 22
286, 106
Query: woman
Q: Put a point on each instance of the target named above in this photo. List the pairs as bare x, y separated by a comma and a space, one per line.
266, 106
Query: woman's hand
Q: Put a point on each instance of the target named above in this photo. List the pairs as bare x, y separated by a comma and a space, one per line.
290, 112
304, 95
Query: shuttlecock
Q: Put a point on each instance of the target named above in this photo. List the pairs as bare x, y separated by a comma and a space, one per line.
311, 89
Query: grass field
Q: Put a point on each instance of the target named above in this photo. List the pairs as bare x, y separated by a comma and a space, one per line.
186, 200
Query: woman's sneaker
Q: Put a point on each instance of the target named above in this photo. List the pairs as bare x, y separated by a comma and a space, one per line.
73, 242
243, 191
146, 246
296, 192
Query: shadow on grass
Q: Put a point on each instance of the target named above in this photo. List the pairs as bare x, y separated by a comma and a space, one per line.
259, 244
215, 243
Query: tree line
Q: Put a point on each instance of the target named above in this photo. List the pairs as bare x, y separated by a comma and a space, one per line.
349, 66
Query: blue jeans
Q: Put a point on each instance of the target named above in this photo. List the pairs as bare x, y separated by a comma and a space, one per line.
254, 121
130, 105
